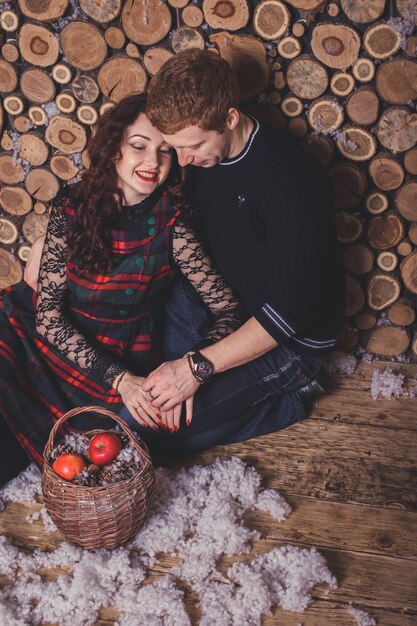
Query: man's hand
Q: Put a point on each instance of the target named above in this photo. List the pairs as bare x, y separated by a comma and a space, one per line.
170, 385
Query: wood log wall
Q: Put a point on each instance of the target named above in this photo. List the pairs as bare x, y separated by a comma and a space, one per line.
339, 75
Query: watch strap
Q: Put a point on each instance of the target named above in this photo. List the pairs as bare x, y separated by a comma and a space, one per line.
193, 365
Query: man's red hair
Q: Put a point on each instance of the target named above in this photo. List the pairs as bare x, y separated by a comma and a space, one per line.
193, 88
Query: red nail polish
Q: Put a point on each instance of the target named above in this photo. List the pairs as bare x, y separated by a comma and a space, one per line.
155, 427
188, 422
171, 430
176, 428
158, 415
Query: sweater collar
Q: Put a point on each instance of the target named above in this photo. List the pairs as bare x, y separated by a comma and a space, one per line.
246, 148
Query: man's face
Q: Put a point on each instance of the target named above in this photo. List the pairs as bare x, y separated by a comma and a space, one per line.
202, 148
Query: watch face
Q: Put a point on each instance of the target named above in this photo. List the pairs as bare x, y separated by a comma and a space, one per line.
203, 369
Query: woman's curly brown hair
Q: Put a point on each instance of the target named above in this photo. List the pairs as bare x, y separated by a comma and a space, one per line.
99, 202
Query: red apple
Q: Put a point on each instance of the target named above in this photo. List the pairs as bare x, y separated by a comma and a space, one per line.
68, 465
104, 448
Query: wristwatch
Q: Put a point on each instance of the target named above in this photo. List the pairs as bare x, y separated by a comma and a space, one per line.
201, 368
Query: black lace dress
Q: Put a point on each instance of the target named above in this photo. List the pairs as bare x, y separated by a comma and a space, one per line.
65, 347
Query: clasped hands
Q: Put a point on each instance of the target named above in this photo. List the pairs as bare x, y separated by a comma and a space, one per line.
156, 401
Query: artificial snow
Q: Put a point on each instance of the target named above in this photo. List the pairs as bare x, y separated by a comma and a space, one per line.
197, 515
43, 515
17, 159
337, 135
362, 618
342, 362
403, 25
390, 384
24, 488
51, 110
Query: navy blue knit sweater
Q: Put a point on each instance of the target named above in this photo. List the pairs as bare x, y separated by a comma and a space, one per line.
268, 218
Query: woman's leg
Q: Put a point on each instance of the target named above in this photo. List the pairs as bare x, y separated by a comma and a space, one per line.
13, 458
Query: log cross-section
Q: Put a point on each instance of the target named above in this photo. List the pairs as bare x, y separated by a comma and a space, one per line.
44, 10
388, 341
146, 21
381, 41
385, 231
336, 46
226, 14
66, 135
383, 290
396, 81
102, 12
408, 269
406, 201
11, 271
386, 172
363, 11
38, 45
271, 19
307, 78
121, 76
246, 55
83, 45
362, 106
397, 129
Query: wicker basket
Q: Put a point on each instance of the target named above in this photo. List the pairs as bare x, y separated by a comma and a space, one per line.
102, 516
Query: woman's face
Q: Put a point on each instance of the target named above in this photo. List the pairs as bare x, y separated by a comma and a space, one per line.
144, 163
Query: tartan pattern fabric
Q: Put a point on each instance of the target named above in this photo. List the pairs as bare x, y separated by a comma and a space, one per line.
117, 312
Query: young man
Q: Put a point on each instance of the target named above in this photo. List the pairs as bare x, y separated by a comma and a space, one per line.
266, 213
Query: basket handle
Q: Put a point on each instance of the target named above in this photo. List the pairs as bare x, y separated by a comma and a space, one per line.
145, 457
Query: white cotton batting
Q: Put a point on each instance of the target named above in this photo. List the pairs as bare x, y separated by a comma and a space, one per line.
24, 488
340, 362
197, 515
390, 384
362, 618
273, 503
43, 515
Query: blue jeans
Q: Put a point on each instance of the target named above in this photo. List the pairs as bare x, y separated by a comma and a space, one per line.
254, 399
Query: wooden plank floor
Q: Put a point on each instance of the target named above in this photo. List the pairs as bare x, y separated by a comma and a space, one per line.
350, 474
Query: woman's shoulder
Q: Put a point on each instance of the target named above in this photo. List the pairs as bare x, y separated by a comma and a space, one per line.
67, 198
167, 208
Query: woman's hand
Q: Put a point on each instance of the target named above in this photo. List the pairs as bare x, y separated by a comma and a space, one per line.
137, 402
171, 418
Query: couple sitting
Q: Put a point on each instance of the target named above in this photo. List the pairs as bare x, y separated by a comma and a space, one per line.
126, 280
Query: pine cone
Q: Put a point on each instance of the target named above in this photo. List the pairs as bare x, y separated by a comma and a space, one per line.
122, 466
86, 479
93, 469
58, 450
123, 473
115, 474
123, 438
105, 477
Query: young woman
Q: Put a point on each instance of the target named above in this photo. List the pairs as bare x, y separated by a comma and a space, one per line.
89, 335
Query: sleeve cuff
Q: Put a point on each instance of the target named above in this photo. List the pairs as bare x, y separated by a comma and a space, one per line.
275, 323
